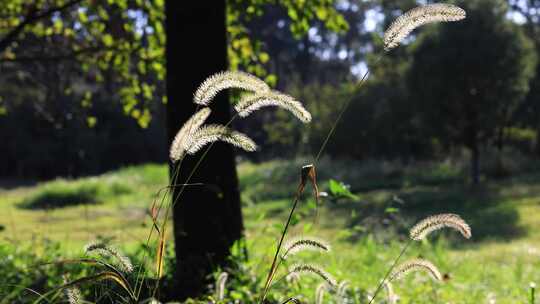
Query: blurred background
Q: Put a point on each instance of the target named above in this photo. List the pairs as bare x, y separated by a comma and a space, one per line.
449, 121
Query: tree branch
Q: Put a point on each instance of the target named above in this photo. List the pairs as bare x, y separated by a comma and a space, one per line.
30, 18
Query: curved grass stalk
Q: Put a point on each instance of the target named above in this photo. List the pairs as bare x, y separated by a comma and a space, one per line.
227, 80
300, 244
435, 222
418, 16
415, 265
253, 102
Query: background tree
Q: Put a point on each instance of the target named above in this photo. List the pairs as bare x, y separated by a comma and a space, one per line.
117, 48
528, 115
467, 79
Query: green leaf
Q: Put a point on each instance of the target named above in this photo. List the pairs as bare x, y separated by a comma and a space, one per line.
391, 210
107, 40
91, 121
338, 190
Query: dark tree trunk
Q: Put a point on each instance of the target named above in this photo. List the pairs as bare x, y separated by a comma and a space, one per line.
208, 219
475, 164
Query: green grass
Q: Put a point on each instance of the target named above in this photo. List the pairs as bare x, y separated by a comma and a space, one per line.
113, 205
500, 260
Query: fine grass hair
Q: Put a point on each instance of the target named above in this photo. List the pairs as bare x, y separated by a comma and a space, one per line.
184, 136
320, 291
297, 245
391, 296
406, 23
435, 222
314, 270
252, 102
220, 285
227, 80
341, 293
213, 133
120, 260
413, 266
73, 294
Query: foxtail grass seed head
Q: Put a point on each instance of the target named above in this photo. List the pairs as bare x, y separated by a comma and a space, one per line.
73, 294
212, 133
314, 270
253, 102
227, 80
319, 293
220, 285
120, 260
406, 23
297, 245
435, 222
413, 266
292, 277
342, 291
184, 136
392, 298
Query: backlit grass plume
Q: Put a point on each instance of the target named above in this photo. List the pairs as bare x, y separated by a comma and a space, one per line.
220, 285
319, 293
406, 23
314, 270
73, 294
415, 265
226, 80
213, 133
436, 222
391, 297
342, 292
183, 138
121, 261
252, 102
305, 243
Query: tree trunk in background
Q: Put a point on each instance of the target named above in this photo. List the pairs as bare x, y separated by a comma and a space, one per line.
207, 219
475, 164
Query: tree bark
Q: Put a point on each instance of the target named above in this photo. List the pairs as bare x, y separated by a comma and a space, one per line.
207, 219
475, 164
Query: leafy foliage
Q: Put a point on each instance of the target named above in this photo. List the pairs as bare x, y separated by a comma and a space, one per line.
339, 190
111, 40
482, 70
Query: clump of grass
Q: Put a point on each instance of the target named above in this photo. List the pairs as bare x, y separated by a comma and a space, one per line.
114, 272
107, 251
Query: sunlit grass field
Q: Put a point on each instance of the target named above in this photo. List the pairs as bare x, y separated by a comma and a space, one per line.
366, 232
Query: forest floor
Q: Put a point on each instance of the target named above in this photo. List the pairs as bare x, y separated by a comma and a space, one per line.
366, 229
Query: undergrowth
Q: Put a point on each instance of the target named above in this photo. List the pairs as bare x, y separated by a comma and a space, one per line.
279, 278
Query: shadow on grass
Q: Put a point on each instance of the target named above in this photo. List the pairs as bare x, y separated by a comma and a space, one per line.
50, 199
62, 194
490, 215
